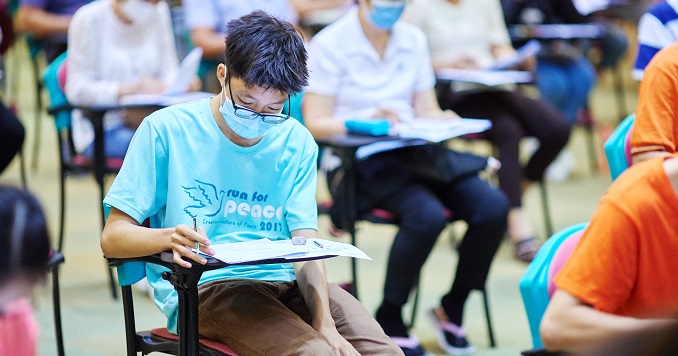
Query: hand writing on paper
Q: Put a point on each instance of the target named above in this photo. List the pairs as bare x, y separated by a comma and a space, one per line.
183, 241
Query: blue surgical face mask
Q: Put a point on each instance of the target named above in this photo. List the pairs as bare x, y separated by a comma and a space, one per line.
386, 13
245, 128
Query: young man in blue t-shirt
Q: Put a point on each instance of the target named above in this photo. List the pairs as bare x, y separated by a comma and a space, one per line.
245, 172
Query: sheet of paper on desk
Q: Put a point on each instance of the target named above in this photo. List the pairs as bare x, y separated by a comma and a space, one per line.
265, 249
531, 48
437, 130
188, 69
485, 77
163, 100
177, 89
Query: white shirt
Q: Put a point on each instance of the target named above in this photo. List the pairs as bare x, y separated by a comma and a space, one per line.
105, 53
344, 64
469, 28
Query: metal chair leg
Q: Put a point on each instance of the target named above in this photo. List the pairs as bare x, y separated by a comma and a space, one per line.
38, 114
545, 208
22, 169
56, 304
490, 332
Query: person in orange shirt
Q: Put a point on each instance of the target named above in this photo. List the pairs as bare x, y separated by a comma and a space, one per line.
655, 128
620, 280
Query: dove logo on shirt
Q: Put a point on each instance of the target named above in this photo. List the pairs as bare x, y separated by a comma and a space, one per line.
209, 201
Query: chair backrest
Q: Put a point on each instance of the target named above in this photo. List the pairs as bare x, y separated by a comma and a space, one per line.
618, 148
534, 285
54, 79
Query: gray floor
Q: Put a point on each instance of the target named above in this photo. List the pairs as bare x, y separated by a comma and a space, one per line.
92, 320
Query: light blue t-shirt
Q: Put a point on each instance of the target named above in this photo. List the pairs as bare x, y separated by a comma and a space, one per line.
179, 165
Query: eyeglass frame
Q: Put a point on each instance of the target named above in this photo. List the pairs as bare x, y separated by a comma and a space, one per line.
278, 118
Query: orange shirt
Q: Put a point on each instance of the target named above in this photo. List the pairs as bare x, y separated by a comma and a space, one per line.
656, 125
627, 260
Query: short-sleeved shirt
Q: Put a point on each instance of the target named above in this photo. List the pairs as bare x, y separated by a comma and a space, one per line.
657, 28
216, 14
180, 165
344, 64
469, 28
655, 127
625, 263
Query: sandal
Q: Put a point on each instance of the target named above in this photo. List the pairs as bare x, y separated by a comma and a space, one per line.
526, 249
410, 346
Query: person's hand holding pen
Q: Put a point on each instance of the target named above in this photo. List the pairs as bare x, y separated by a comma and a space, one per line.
185, 239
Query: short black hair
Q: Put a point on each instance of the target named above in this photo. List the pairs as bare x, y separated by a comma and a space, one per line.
267, 52
24, 239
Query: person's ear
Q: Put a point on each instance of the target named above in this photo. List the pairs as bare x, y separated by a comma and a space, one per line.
221, 74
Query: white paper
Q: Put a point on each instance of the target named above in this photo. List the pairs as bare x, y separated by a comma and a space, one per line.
530, 49
586, 7
437, 130
558, 31
163, 100
265, 249
188, 69
177, 89
485, 77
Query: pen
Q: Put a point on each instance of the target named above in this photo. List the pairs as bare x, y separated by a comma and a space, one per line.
317, 244
195, 228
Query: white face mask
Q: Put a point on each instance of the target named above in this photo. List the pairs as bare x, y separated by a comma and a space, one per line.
139, 11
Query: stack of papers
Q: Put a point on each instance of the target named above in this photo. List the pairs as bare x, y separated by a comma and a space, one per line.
437, 130
265, 249
485, 77
557, 31
530, 49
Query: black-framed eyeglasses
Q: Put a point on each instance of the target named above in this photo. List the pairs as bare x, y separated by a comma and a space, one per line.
249, 114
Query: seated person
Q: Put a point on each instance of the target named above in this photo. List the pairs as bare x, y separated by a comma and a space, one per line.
25, 247
206, 20
657, 28
471, 34
117, 48
620, 279
47, 21
12, 132
564, 75
655, 128
315, 15
12, 136
239, 150
369, 64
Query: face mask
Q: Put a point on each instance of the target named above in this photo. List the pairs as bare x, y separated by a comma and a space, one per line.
245, 128
139, 11
384, 14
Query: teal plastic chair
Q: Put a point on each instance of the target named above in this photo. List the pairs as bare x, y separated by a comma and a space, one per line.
618, 148
534, 285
